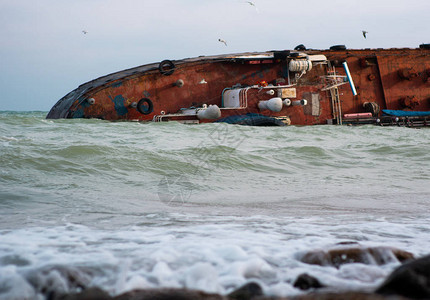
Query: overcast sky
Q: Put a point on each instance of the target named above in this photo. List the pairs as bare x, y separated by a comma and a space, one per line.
44, 54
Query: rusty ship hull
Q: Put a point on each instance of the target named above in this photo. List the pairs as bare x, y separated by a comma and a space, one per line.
309, 87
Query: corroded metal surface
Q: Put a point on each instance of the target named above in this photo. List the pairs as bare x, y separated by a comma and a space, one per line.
396, 79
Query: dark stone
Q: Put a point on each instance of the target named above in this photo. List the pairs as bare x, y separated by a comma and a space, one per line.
411, 280
168, 294
46, 280
306, 282
357, 254
342, 296
88, 294
246, 292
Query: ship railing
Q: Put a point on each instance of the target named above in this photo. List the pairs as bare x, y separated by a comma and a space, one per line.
332, 80
332, 86
243, 99
159, 118
274, 86
183, 112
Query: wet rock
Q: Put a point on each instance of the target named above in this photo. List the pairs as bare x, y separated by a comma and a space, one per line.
247, 291
411, 280
344, 296
306, 282
58, 280
356, 254
88, 294
168, 294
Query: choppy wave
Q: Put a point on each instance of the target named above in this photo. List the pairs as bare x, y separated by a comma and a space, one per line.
125, 204
98, 161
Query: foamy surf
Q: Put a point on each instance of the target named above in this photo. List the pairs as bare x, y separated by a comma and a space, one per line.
213, 254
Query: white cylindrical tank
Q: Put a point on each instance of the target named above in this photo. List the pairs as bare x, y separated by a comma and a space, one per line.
302, 65
211, 112
274, 104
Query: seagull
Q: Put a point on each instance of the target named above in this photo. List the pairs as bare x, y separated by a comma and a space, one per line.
222, 41
84, 31
364, 33
203, 81
252, 4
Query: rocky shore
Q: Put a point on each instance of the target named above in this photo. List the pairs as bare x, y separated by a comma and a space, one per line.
411, 280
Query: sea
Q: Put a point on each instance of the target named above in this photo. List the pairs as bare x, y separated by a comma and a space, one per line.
130, 205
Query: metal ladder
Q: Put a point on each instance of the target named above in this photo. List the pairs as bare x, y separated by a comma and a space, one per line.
334, 95
337, 107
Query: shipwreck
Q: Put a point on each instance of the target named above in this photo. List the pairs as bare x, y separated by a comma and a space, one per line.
283, 87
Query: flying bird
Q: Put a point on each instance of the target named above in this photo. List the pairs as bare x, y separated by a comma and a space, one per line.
222, 41
84, 31
364, 33
252, 4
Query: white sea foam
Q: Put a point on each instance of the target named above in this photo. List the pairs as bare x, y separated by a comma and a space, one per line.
213, 258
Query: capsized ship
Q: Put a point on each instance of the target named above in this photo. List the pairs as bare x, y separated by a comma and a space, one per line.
298, 87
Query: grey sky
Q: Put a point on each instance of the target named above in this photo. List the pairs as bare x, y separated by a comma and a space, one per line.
44, 54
